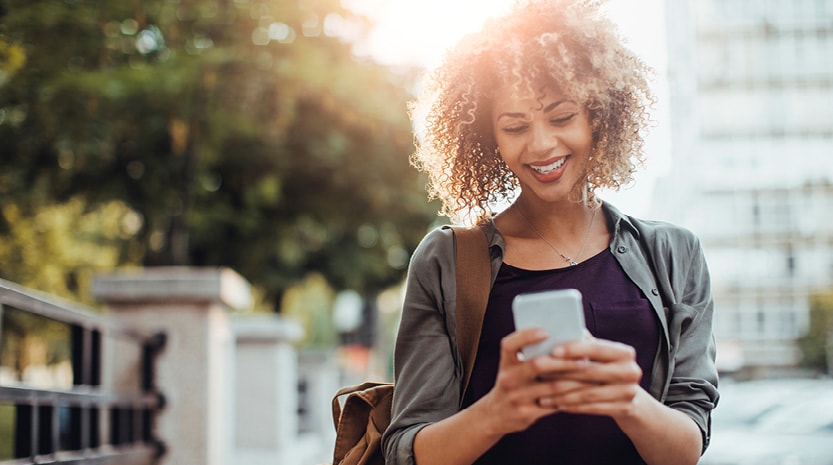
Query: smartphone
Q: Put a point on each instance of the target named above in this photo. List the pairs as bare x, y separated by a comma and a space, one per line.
559, 312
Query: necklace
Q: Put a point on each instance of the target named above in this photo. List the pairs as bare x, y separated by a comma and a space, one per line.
566, 258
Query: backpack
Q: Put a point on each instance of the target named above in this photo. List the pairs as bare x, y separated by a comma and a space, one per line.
366, 411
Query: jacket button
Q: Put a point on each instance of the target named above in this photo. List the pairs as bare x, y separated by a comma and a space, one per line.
622, 249
654, 291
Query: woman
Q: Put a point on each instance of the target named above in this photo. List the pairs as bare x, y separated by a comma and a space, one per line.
541, 108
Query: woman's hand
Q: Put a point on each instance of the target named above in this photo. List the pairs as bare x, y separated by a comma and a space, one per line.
591, 376
511, 405
604, 379
514, 403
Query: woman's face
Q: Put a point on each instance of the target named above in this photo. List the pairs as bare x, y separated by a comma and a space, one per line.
546, 142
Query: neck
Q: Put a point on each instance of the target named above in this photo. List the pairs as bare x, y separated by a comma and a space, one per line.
572, 242
564, 219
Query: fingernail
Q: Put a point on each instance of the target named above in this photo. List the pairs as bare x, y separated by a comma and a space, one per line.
558, 351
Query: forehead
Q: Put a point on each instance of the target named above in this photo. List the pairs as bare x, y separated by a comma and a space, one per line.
524, 98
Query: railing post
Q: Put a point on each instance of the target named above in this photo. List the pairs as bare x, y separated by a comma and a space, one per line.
193, 370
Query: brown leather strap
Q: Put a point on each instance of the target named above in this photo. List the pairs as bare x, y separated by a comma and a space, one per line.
361, 422
348, 390
474, 283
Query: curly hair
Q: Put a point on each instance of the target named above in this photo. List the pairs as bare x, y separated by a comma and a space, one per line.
565, 44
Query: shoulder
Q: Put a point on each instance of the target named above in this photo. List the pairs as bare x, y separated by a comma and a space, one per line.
436, 248
663, 232
659, 236
648, 230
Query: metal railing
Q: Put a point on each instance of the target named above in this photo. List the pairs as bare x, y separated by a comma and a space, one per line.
98, 417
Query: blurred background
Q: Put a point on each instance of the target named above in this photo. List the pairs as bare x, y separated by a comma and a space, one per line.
271, 138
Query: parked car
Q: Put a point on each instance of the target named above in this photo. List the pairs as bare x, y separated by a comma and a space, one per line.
773, 422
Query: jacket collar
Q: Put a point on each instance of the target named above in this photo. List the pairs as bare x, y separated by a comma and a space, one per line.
618, 219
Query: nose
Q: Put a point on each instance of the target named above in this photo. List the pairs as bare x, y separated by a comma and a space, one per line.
542, 139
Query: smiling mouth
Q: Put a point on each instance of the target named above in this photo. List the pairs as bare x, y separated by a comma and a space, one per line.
546, 169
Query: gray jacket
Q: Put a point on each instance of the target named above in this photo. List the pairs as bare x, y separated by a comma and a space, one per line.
663, 260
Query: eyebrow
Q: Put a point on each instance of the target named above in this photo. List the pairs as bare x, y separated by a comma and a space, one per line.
552, 106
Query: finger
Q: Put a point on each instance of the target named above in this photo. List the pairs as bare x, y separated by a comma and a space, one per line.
597, 350
611, 409
512, 344
563, 387
524, 396
585, 395
548, 368
623, 372
557, 390
513, 376
542, 395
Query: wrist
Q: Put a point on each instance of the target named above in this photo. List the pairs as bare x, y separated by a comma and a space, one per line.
661, 434
641, 408
483, 414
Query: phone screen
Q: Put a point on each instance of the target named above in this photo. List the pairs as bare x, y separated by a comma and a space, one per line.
559, 312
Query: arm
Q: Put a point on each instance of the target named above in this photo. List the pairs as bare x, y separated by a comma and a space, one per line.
683, 275
661, 434
427, 375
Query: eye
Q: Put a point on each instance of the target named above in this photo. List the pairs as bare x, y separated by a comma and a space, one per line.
562, 118
515, 129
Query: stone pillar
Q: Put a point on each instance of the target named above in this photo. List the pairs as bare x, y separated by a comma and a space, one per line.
322, 376
194, 369
266, 390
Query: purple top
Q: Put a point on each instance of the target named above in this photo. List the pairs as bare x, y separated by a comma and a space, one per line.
614, 309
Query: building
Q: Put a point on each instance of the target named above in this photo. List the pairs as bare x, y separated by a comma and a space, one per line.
751, 96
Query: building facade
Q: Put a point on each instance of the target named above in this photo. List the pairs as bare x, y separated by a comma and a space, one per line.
751, 96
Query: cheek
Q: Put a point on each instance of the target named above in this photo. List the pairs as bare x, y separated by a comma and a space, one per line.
583, 141
509, 154
509, 147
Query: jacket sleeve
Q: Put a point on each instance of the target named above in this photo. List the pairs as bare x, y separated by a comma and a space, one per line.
693, 382
427, 372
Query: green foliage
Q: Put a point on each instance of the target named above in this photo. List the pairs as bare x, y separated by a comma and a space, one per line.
241, 134
60, 247
12, 58
32, 348
817, 345
310, 303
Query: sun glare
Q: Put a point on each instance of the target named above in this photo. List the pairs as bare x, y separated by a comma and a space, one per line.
417, 32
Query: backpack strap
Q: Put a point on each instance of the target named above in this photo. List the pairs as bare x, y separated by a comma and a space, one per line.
474, 283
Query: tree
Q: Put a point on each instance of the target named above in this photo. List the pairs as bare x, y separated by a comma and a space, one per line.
242, 133
61, 247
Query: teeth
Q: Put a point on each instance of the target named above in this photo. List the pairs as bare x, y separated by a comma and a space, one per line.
550, 168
